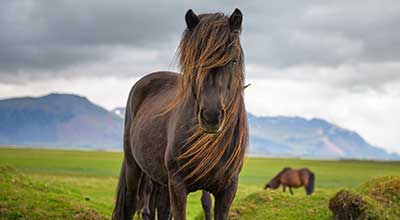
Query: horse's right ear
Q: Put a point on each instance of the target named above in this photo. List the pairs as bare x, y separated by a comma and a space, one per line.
235, 21
191, 19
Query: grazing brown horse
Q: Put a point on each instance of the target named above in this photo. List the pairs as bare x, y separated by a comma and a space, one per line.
189, 131
289, 177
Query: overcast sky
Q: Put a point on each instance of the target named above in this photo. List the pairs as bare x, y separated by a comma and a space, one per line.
337, 60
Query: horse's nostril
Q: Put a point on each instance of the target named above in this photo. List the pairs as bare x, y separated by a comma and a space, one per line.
203, 115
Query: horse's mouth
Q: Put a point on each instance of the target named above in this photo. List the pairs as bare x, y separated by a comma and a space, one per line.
210, 129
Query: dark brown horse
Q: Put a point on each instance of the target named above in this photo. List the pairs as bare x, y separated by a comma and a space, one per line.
289, 177
189, 131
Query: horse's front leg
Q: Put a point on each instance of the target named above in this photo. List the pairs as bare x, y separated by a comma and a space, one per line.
163, 204
206, 203
178, 194
290, 190
284, 188
224, 199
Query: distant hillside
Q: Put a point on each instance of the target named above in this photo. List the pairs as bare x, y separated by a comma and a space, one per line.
58, 120
299, 137
63, 120
296, 136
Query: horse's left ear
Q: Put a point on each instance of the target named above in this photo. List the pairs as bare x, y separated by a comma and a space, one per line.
235, 20
191, 19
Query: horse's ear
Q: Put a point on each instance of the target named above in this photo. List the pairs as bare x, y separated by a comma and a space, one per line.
191, 19
235, 20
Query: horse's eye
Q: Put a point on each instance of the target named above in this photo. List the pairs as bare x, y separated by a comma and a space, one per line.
234, 62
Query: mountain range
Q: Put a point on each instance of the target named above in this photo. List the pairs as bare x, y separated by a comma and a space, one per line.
58, 120
296, 136
72, 121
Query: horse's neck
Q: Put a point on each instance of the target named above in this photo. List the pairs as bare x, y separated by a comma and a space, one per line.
184, 119
278, 178
186, 111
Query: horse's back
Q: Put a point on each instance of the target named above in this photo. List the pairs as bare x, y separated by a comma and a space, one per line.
305, 172
292, 177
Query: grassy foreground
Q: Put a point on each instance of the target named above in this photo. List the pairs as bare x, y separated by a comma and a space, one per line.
378, 198
59, 184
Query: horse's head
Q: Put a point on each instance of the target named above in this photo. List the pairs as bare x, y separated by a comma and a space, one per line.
273, 184
214, 97
212, 65
276, 181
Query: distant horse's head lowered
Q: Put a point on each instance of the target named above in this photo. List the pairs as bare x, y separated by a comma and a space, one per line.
211, 61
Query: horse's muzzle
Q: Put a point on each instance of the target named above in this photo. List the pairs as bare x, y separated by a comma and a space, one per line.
211, 121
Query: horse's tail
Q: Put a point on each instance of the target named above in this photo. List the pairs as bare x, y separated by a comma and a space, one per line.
311, 183
119, 209
127, 195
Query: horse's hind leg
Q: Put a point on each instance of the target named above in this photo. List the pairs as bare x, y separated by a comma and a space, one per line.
290, 190
153, 201
147, 194
206, 203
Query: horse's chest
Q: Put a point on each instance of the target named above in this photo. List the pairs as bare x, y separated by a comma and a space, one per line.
213, 181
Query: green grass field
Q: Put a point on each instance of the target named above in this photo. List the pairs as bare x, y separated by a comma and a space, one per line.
59, 184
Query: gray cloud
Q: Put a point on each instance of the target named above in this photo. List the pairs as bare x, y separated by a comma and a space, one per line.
56, 34
325, 33
41, 38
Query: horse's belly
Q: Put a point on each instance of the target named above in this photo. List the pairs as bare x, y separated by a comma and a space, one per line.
291, 179
148, 143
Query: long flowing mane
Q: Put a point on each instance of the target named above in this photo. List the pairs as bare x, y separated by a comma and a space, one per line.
212, 44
